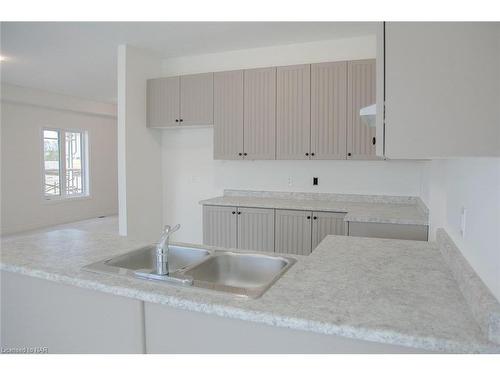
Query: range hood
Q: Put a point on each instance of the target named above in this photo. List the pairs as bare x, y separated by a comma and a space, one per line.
368, 115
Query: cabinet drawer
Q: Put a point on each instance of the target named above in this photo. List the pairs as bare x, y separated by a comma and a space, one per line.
395, 231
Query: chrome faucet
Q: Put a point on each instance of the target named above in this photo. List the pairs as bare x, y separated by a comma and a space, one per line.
162, 250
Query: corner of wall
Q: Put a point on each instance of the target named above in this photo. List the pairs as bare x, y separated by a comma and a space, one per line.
139, 148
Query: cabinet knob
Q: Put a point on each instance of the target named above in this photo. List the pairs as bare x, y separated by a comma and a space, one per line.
176, 120
181, 120
239, 212
349, 154
312, 153
245, 154
374, 140
309, 218
307, 154
315, 217
233, 212
239, 154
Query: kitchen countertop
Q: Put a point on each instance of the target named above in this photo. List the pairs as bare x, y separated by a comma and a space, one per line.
375, 211
388, 291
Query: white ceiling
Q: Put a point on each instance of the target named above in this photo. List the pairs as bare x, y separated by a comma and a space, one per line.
79, 58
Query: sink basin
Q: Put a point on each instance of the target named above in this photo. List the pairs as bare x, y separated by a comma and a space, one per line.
243, 274
144, 259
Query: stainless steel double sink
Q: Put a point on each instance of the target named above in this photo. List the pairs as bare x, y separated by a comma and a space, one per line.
243, 274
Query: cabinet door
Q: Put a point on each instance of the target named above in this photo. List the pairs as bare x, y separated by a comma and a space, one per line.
163, 102
293, 232
328, 110
260, 114
326, 223
256, 229
442, 93
219, 226
360, 93
197, 99
293, 117
228, 115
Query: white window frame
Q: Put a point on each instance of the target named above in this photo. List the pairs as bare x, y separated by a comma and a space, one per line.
62, 164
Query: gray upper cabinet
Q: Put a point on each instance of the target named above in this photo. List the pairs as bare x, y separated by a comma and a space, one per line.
219, 226
293, 232
296, 112
327, 223
228, 115
256, 229
328, 110
442, 89
163, 102
361, 92
260, 114
293, 117
180, 101
197, 100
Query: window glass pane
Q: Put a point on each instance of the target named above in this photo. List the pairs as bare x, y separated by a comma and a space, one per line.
51, 162
74, 163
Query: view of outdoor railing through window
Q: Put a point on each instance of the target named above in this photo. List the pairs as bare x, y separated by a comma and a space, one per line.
63, 163
51, 162
73, 163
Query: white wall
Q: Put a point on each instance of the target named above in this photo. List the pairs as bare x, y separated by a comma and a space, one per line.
139, 148
473, 184
300, 53
24, 113
190, 173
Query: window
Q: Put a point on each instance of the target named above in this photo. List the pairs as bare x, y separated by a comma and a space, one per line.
65, 172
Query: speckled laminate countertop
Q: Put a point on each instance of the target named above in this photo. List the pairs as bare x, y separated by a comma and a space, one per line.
388, 291
363, 210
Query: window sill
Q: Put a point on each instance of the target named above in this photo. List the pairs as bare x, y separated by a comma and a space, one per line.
66, 199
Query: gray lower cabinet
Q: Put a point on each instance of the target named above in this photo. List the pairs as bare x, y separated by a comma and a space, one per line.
327, 223
239, 227
299, 232
384, 230
220, 226
256, 229
293, 232
270, 230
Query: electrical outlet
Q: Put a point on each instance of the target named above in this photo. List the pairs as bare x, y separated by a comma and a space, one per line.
290, 181
462, 222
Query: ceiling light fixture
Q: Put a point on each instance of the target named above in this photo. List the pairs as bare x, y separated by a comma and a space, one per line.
2, 58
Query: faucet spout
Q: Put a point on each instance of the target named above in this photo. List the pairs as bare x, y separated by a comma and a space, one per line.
162, 249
